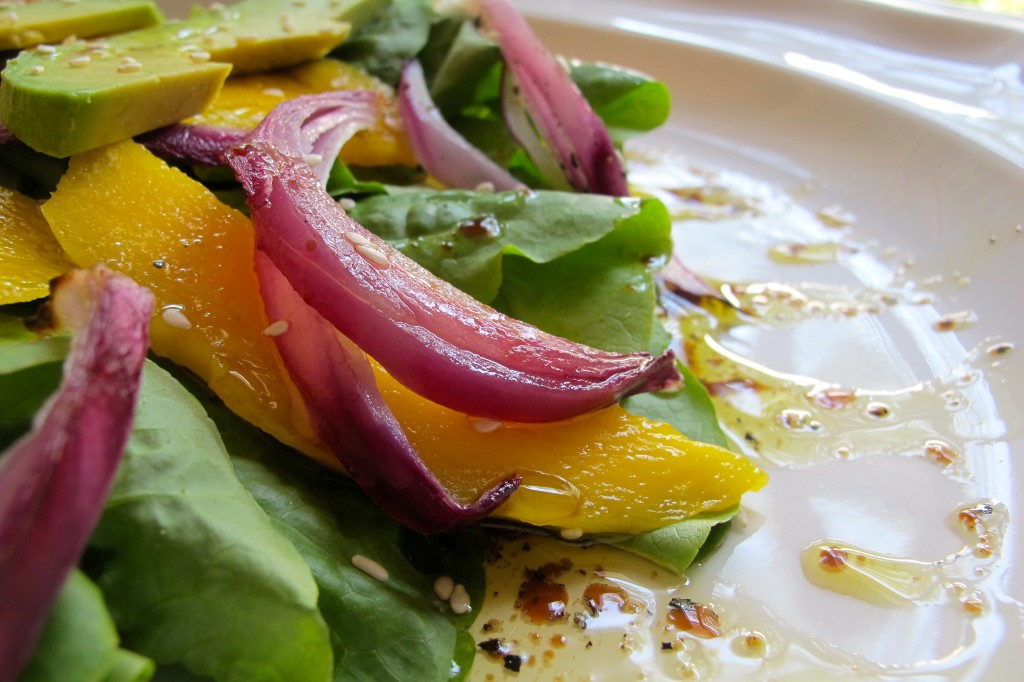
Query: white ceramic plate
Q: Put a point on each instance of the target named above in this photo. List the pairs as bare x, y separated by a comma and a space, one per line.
910, 117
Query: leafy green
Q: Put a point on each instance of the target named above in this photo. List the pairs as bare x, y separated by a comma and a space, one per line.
385, 44
677, 546
688, 409
79, 642
460, 66
185, 556
576, 265
629, 102
396, 630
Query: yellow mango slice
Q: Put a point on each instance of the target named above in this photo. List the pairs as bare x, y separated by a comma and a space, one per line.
29, 255
245, 100
605, 472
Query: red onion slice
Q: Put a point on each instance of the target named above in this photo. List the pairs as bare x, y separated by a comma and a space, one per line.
518, 122
433, 338
198, 144
351, 417
441, 151
562, 114
54, 480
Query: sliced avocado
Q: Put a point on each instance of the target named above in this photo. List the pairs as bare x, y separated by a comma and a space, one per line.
84, 96
66, 99
51, 21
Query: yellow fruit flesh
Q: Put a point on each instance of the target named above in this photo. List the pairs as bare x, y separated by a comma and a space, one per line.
29, 255
244, 101
604, 472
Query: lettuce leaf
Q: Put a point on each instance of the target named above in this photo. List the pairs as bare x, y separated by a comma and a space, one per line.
577, 265
681, 544
396, 630
80, 643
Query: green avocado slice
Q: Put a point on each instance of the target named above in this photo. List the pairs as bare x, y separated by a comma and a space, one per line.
65, 99
51, 21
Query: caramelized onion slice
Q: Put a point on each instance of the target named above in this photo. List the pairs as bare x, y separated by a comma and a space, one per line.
54, 480
442, 151
431, 337
561, 113
338, 387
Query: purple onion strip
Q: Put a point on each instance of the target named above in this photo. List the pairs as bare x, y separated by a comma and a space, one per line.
353, 420
433, 338
197, 144
54, 480
442, 151
562, 114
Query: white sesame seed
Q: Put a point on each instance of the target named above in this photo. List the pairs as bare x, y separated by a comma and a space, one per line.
45, 49
175, 318
486, 425
79, 62
198, 56
444, 587
276, 329
459, 601
356, 239
571, 533
217, 6
370, 567
313, 159
36, 70
347, 204
273, 92
485, 186
129, 67
373, 255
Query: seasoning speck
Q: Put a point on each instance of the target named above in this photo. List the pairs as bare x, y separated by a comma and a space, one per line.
175, 318
370, 567
276, 329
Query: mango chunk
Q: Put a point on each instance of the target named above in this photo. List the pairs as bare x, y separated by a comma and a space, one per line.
51, 21
244, 101
29, 254
605, 472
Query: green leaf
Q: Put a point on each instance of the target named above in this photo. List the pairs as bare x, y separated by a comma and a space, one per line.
457, 60
193, 570
677, 546
688, 409
577, 265
21, 348
396, 630
628, 102
79, 642
385, 44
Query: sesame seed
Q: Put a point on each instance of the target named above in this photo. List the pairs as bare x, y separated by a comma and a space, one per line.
199, 56
79, 62
45, 49
217, 6
486, 425
36, 70
346, 204
459, 601
444, 587
373, 255
175, 318
571, 533
273, 92
356, 238
313, 159
276, 329
485, 186
129, 67
370, 567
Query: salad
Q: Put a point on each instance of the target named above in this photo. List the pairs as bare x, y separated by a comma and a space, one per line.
285, 507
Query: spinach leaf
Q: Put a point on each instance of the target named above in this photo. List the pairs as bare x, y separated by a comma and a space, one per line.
79, 642
193, 570
689, 409
629, 102
577, 265
679, 545
385, 44
394, 630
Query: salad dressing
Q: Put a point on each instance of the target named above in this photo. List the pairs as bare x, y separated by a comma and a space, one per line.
796, 275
